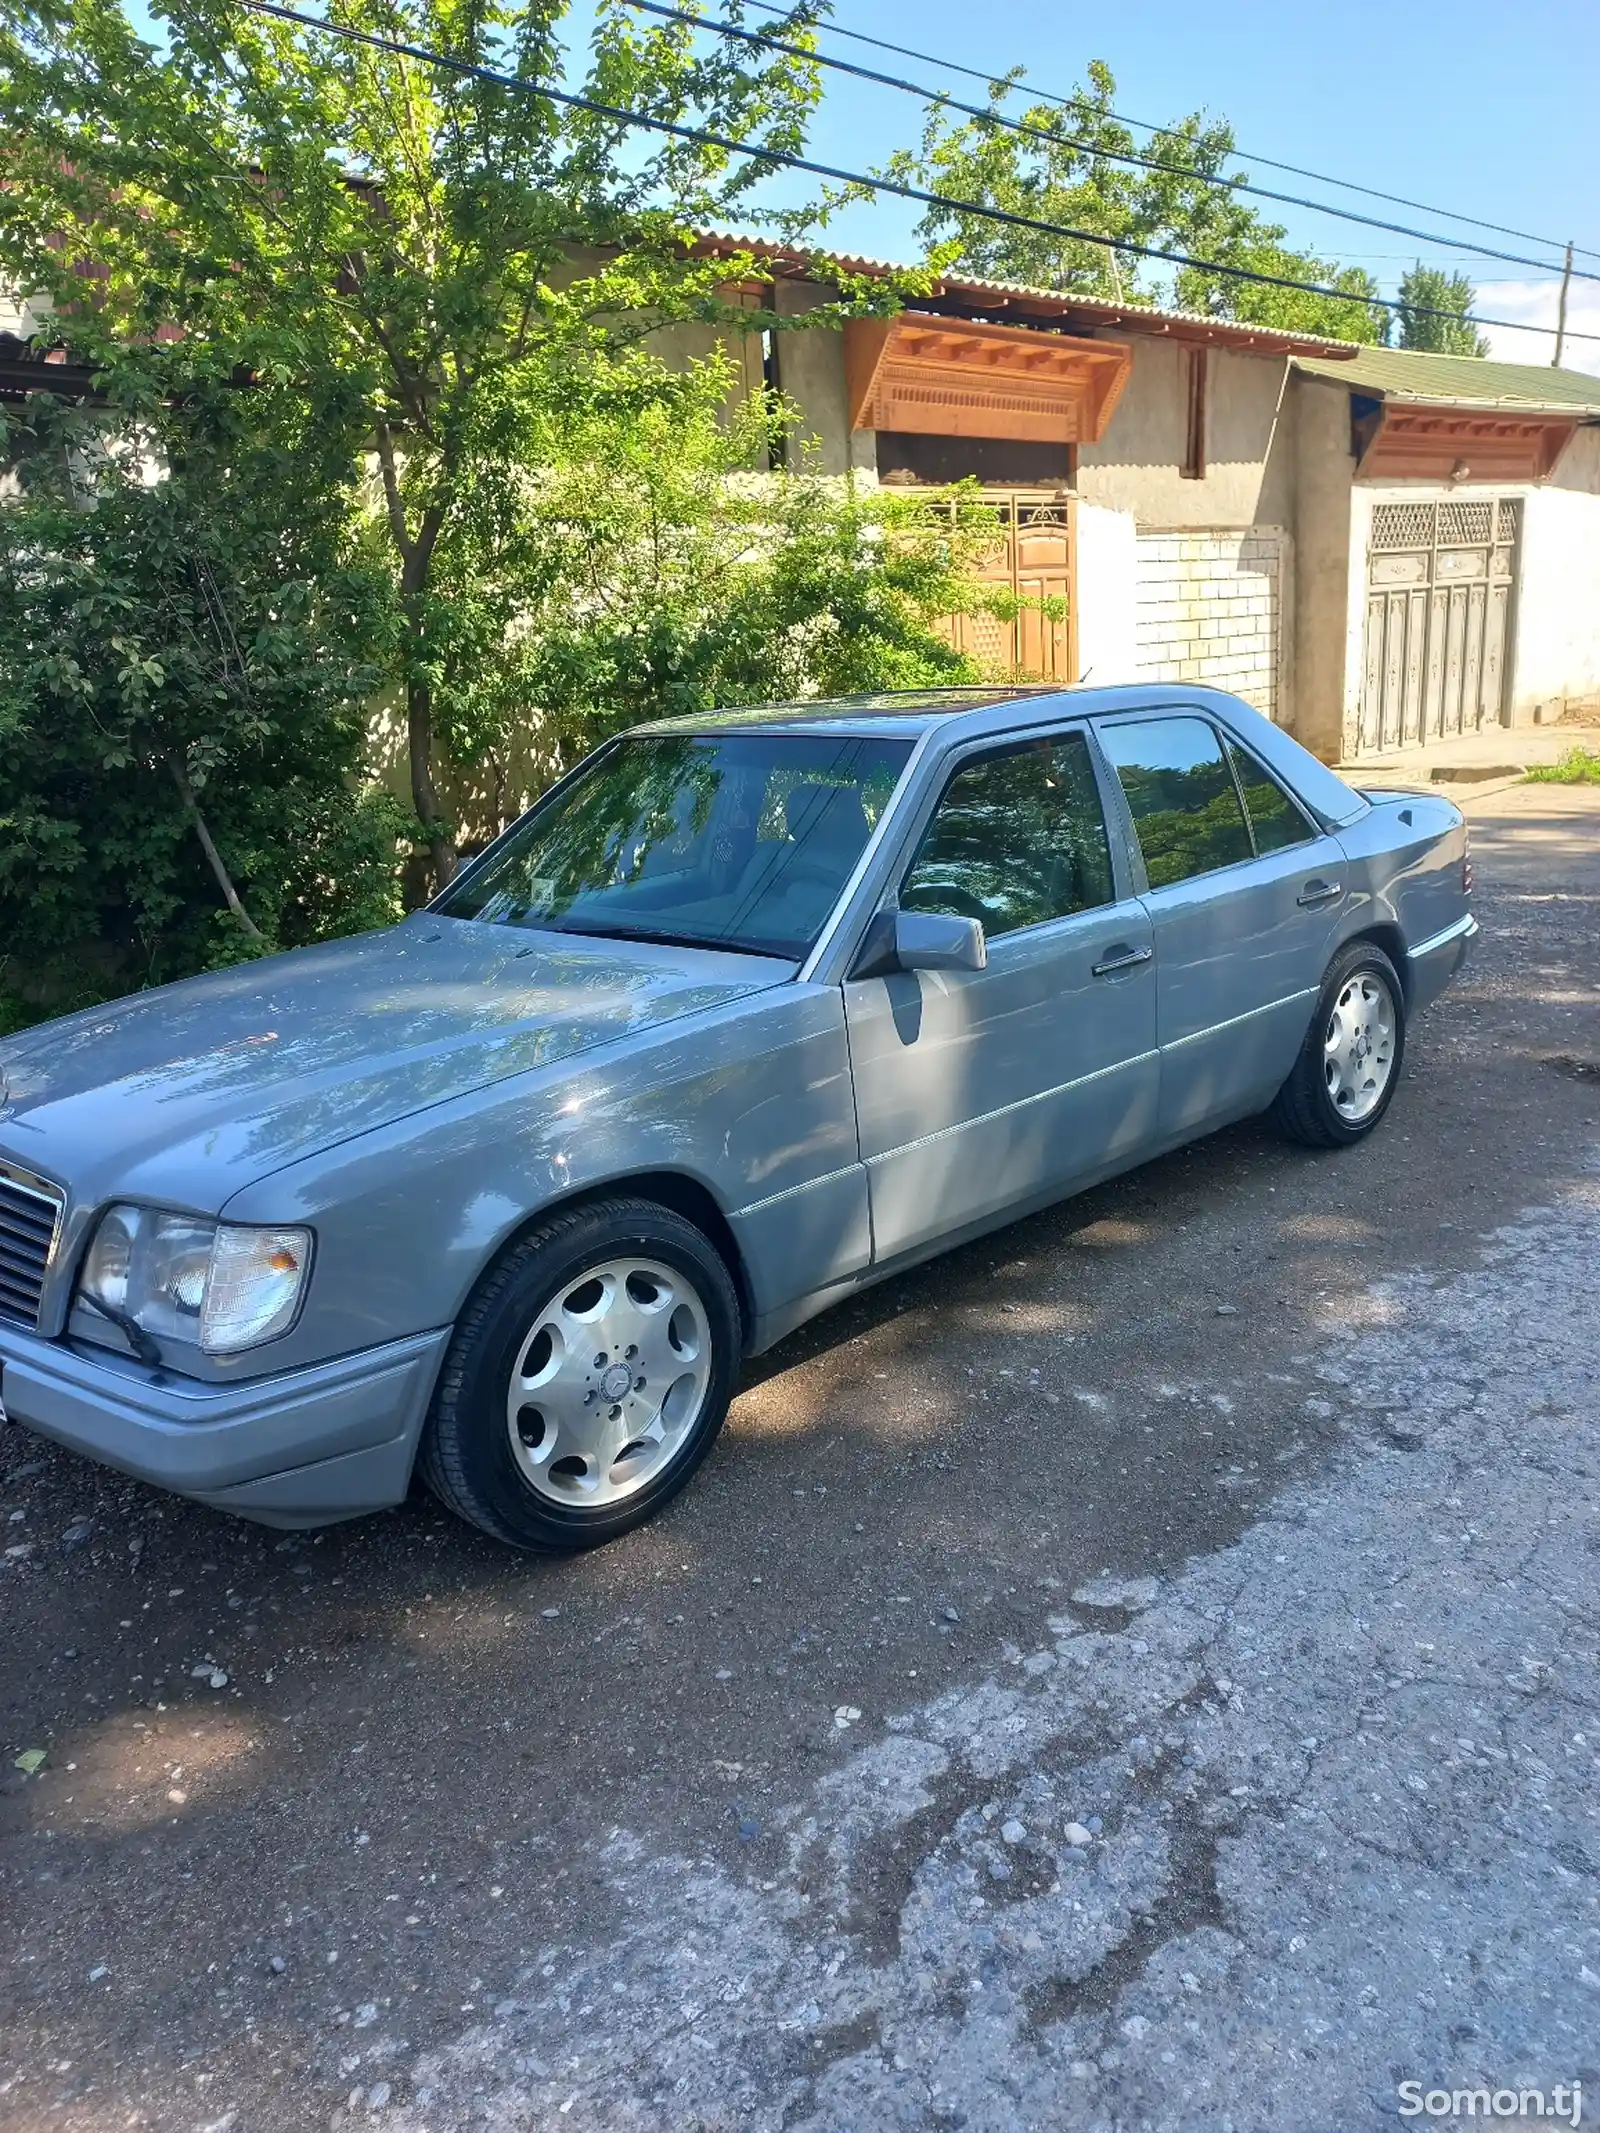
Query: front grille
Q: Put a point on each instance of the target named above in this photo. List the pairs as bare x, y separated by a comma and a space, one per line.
29, 1217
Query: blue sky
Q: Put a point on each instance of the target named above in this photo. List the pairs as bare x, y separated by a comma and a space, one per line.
1488, 110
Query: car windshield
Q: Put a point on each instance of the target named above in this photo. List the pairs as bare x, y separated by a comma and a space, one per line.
736, 840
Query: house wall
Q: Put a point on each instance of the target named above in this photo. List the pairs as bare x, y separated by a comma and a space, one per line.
1328, 585
1556, 662
1108, 616
810, 365
1212, 608
1249, 473
1213, 564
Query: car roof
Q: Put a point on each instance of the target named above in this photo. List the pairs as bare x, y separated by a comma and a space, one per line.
974, 713
886, 710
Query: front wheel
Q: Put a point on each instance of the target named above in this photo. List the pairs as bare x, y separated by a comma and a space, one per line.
1345, 1077
588, 1377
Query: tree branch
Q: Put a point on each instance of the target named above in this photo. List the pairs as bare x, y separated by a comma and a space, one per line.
180, 778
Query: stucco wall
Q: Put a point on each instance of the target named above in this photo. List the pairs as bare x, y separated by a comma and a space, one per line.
1249, 473
810, 364
1556, 661
1327, 597
1108, 637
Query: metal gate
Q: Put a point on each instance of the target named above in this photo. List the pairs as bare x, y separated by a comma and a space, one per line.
1440, 575
1032, 557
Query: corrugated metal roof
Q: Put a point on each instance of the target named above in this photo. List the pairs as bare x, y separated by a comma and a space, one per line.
1138, 317
1460, 381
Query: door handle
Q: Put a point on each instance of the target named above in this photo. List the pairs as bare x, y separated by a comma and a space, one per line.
1320, 892
1122, 959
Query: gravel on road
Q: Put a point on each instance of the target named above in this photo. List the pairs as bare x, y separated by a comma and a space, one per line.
1137, 1672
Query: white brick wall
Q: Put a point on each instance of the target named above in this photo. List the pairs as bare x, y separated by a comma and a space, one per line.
1210, 610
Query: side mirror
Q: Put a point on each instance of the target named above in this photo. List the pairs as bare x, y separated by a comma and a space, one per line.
920, 940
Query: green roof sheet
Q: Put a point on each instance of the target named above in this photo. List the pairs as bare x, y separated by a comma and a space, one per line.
1460, 381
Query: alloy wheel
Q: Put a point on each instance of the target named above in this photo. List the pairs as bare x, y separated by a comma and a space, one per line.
609, 1382
1358, 1047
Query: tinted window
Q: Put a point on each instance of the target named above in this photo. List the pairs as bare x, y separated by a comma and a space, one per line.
1181, 793
732, 840
1017, 839
1275, 819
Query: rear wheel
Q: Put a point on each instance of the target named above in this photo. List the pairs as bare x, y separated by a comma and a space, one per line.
588, 1377
1345, 1077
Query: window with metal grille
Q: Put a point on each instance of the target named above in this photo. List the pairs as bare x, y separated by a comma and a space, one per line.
1402, 526
1465, 525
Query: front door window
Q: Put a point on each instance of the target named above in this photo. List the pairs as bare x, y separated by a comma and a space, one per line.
1018, 839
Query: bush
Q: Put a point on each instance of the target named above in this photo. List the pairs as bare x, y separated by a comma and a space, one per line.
187, 639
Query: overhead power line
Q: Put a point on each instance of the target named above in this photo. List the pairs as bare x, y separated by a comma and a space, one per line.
1293, 170
988, 116
782, 159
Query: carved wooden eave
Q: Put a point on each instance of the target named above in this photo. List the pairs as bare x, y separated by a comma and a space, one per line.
1417, 442
958, 378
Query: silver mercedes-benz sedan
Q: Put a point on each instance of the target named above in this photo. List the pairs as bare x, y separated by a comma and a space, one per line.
750, 1010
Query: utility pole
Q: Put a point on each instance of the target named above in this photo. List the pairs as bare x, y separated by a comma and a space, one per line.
1561, 311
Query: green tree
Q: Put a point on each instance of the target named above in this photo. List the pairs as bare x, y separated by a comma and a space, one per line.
628, 564
428, 257
185, 666
1060, 171
1425, 293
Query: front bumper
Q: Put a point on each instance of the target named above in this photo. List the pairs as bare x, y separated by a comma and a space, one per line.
301, 1449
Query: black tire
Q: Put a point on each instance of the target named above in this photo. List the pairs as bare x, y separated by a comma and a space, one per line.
466, 1456
1303, 1109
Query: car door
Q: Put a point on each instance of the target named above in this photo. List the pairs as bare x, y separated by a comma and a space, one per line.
1243, 892
978, 1091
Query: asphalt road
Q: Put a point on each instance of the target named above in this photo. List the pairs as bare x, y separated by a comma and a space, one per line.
1139, 1672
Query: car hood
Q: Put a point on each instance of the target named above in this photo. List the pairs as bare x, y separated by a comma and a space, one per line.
188, 1092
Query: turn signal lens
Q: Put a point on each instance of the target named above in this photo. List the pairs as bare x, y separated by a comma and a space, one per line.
254, 1290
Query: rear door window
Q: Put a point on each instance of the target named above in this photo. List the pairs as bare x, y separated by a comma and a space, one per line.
1182, 797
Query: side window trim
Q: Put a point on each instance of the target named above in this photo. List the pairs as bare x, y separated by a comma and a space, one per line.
1230, 757
1123, 857
1235, 748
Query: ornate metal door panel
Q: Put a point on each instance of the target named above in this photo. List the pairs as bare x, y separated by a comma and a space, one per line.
1440, 574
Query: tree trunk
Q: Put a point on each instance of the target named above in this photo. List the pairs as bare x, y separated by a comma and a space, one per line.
440, 833
442, 856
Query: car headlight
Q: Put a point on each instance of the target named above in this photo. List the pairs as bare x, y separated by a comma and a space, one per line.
221, 1285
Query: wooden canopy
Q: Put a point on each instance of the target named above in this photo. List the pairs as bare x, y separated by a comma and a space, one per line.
1401, 441
958, 378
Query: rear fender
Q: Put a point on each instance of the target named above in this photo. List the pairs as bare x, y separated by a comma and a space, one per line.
1407, 885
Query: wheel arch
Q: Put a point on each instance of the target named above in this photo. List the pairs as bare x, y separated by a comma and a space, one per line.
1385, 934
672, 1189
